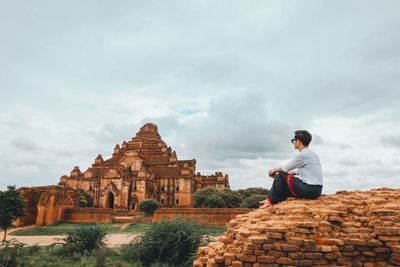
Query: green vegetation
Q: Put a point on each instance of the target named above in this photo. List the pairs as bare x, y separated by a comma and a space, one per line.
137, 228
252, 196
64, 228
168, 242
149, 206
9, 253
85, 199
212, 230
11, 207
210, 197
164, 244
132, 228
85, 238
252, 202
16, 254
248, 192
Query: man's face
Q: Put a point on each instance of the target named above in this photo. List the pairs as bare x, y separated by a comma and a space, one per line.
296, 143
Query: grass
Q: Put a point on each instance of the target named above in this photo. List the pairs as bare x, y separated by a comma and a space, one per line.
212, 230
64, 228
137, 228
111, 228
52, 256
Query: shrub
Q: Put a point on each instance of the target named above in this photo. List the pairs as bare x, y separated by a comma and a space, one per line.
252, 202
167, 242
84, 240
85, 199
10, 252
232, 198
210, 197
248, 192
102, 254
149, 206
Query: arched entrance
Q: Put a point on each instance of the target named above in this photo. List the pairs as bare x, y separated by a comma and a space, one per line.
110, 200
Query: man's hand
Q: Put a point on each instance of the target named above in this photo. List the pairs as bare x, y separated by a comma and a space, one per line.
271, 173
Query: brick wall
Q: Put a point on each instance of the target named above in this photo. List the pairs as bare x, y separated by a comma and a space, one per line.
346, 229
201, 216
78, 215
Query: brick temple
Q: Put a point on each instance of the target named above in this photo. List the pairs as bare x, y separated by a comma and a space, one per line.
142, 168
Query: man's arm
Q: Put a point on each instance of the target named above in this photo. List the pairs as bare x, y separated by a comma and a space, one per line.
290, 167
296, 162
272, 172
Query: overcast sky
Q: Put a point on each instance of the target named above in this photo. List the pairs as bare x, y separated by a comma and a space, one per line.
227, 82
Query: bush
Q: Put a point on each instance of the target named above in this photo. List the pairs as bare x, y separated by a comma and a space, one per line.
84, 240
85, 199
102, 254
149, 206
168, 242
252, 202
51, 256
248, 192
232, 198
10, 252
210, 197
11, 207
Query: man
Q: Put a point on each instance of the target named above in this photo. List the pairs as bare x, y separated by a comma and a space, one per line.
301, 177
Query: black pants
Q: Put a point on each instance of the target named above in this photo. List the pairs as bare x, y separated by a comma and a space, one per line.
286, 185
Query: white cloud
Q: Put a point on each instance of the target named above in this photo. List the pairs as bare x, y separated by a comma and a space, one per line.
227, 82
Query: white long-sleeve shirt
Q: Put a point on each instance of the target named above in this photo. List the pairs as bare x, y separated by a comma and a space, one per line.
307, 166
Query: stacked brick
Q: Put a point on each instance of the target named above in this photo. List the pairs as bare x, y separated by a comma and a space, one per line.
346, 229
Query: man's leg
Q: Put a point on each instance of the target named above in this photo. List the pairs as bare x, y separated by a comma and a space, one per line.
304, 190
280, 190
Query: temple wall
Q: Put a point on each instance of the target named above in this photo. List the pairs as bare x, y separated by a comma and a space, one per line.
200, 216
51, 207
185, 193
79, 215
45, 204
25, 220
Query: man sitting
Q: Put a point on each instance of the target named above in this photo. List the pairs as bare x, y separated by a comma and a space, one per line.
301, 177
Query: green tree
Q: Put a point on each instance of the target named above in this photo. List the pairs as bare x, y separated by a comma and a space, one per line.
252, 202
232, 198
149, 206
248, 192
210, 197
11, 207
214, 201
85, 199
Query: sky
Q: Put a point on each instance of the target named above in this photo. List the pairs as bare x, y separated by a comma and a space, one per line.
227, 83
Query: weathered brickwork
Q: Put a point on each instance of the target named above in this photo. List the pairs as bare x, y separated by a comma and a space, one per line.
345, 229
143, 168
46, 204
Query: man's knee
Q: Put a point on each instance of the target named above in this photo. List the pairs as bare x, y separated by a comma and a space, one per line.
280, 183
280, 177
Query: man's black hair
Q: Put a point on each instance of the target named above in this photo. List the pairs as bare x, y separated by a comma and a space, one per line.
304, 137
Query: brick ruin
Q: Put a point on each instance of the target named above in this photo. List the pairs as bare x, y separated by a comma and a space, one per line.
346, 229
142, 168
46, 204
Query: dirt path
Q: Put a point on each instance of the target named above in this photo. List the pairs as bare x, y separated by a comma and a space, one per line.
113, 240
